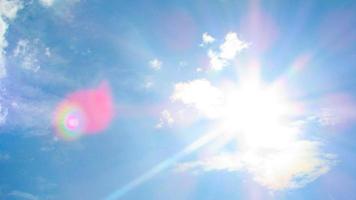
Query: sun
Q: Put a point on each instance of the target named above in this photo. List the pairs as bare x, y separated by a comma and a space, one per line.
258, 114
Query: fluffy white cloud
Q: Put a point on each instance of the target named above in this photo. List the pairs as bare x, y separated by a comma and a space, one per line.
207, 39
155, 64
165, 119
8, 11
231, 46
227, 51
46, 3
199, 94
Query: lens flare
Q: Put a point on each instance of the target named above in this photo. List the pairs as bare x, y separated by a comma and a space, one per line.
88, 111
69, 121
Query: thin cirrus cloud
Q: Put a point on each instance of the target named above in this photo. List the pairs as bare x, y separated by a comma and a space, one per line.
270, 163
227, 51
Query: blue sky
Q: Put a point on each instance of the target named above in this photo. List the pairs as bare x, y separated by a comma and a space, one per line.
217, 99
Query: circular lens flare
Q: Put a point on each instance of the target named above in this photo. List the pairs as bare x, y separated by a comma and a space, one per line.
69, 121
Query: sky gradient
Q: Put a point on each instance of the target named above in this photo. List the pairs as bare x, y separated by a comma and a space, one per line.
172, 100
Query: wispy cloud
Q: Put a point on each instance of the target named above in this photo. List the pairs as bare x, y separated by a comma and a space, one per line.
27, 55
23, 195
8, 11
3, 114
50, 3
46, 3
155, 64
224, 161
227, 51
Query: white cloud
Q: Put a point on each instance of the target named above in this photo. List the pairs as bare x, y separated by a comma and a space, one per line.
155, 64
207, 39
46, 3
227, 51
231, 46
277, 169
292, 167
216, 62
9, 8
201, 95
23, 195
270, 147
8, 11
165, 119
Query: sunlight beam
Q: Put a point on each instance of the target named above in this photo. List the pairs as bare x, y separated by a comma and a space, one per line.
163, 165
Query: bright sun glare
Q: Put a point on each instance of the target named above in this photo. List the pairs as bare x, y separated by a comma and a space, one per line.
258, 114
